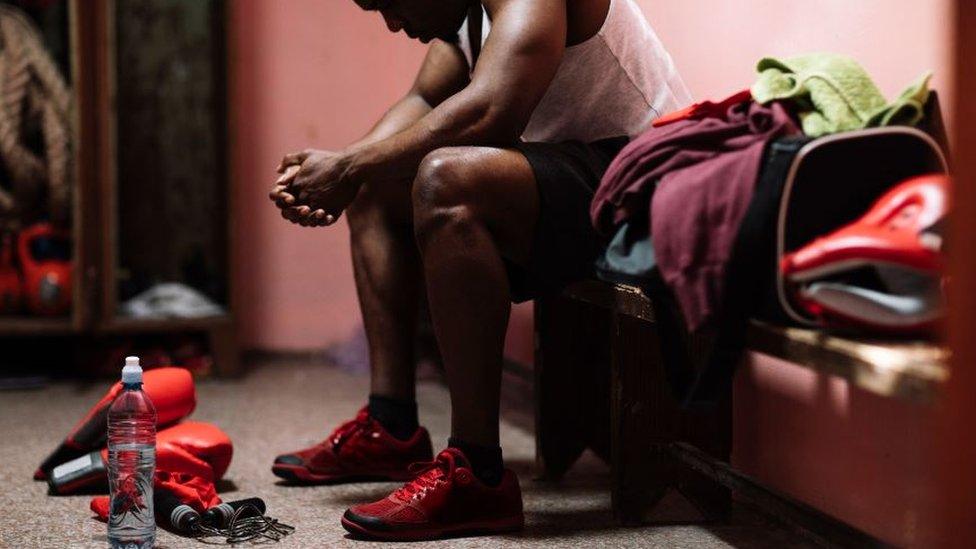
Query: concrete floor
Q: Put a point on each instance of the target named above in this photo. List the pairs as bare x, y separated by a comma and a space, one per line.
283, 407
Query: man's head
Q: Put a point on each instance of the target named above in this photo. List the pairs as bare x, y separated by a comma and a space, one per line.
422, 19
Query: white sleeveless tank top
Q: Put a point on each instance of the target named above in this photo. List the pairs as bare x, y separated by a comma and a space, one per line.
613, 84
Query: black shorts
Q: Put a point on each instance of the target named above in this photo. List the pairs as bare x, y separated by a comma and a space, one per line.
565, 244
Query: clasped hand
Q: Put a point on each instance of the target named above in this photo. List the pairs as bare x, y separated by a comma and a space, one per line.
314, 187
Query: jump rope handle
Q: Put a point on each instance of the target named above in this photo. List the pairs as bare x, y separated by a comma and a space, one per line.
181, 517
219, 516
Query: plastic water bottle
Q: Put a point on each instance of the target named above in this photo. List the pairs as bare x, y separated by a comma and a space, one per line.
131, 463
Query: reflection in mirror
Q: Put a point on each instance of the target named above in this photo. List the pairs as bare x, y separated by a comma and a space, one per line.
36, 157
172, 198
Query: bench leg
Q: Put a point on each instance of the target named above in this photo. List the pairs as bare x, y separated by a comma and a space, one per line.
646, 421
571, 337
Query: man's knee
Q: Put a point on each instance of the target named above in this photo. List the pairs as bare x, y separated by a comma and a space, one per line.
444, 190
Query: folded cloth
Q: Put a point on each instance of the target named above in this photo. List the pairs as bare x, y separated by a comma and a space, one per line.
629, 257
705, 171
833, 93
908, 109
170, 300
840, 305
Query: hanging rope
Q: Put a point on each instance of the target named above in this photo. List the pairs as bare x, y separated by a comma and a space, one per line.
33, 98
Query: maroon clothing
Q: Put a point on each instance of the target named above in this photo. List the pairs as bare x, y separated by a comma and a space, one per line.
697, 178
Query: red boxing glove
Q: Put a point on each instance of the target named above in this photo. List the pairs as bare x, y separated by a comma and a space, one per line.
171, 391
201, 450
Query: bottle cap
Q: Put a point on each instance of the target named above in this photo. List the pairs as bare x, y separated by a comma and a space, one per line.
132, 372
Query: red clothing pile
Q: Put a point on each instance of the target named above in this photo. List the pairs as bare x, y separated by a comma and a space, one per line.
695, 177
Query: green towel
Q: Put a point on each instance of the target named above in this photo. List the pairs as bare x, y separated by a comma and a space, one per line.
832, 93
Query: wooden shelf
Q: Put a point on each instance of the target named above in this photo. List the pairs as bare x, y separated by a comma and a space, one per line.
123, 325
27, 326
906, 369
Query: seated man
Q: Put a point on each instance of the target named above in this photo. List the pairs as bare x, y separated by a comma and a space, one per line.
478, 183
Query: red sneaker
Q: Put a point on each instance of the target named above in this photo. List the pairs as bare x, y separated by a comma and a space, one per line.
358, 450
446, 499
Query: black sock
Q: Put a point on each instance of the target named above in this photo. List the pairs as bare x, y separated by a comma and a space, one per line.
486, 461
398, 417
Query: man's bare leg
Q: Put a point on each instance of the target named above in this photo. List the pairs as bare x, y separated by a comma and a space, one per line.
387, 273
472, 206
387, 277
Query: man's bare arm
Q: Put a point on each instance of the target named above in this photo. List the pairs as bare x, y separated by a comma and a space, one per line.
513, 73
443, 73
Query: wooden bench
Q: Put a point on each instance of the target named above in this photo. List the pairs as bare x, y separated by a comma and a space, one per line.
600, 383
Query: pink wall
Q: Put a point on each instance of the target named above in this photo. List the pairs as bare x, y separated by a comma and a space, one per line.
305, 73
320, 72
716, 43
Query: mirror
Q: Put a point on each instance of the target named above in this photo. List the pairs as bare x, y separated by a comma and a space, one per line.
171, 205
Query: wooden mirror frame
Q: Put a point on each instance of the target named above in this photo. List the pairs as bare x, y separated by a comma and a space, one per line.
108, 319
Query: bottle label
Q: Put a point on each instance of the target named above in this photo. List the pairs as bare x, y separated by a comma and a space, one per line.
131, 501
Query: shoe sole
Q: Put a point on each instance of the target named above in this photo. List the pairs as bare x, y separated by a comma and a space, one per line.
302, 475
477, 528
